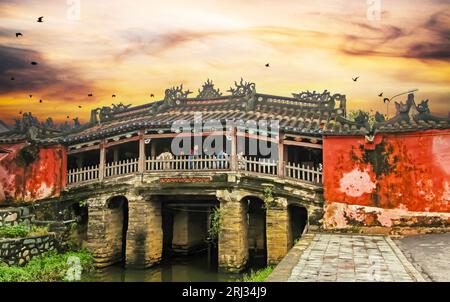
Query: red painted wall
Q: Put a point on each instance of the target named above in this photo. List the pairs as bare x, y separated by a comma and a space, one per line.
409, 171
43, 178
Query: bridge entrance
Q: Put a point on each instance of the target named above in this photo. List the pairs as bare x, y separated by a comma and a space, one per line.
298, 220
257, 240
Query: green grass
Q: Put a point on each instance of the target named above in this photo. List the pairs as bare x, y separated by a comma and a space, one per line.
259, 275
22, 230
13, 231
46, 268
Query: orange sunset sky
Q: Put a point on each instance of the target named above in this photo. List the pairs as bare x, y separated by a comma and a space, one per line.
137, 48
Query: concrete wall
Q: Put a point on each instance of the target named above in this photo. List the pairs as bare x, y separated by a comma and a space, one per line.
42, 178
396, 180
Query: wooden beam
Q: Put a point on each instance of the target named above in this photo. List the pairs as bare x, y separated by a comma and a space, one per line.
258, 137
302, 144
122, 141
101, 166
186, 134
83, 149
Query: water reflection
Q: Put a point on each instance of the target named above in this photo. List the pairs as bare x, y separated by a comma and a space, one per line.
192, 269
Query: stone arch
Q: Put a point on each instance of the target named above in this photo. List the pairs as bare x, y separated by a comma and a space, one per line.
256, 234
117, 224
298, 221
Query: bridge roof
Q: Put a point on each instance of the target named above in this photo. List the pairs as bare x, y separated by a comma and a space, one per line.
304, 113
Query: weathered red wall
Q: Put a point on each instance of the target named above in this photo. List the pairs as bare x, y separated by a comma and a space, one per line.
43, 178
408, 172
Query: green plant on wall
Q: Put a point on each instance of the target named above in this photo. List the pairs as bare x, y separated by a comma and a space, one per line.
83, 203
268, 197
216, 223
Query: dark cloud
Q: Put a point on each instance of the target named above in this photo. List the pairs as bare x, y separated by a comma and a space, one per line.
48, 80
438, 28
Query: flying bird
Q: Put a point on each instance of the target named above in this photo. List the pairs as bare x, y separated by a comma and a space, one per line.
79, 106
20, 112
90, 94
67, 116
18, 35
386, 100
267, 65
113, 96
40, 101
380, 95
40, 19
152, 95
12, 78
34, 63
31, 96
355, 79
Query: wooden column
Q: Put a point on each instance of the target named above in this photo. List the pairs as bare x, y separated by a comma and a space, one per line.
141, 165
281, 156
233, 155
101, 166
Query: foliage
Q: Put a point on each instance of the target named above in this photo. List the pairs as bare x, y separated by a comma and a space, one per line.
46, 268
13, 231
268, 197
22, 230
83, 203
216, 223
38, 230
259, 275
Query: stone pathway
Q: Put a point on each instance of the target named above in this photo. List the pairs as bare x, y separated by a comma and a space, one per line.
430, 254
347, 257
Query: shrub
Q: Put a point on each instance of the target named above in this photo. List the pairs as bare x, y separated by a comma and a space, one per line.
38, 230
13, 231
46, 268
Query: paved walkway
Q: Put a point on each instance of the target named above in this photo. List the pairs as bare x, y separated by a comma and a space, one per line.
429, 253
345, 257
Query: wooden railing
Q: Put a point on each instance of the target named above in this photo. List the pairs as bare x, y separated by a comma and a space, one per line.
122, 167
82, 175
252, 165
260, 166
187, 163
302, 172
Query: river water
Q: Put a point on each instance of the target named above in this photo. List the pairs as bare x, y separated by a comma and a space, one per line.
194, 268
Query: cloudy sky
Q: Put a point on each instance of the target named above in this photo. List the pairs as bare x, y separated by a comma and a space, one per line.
136, 48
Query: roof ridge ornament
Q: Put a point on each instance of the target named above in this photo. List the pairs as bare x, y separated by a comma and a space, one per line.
172, 95
243, 88
324, 99
208, 91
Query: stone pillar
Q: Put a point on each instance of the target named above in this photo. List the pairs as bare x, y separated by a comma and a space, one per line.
104, 235
277, 232
233, 241
144, 242
189, 231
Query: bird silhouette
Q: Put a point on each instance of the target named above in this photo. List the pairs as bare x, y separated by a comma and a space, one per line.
386, 100
67, 116
267, 65
152, 95
31, 96
20, 112
113, 96
79, 106
90, 94
40, 19
380, 95
355, 79
12, 78
34, 63
18, 35
40, 101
